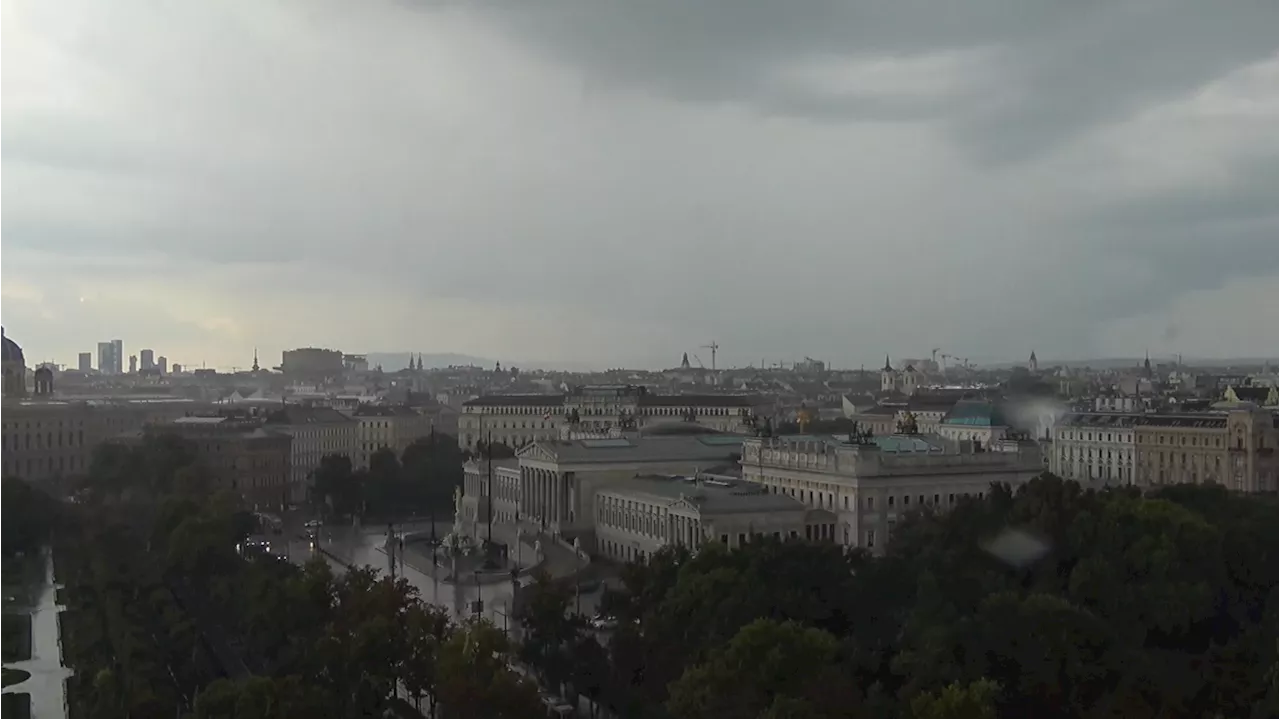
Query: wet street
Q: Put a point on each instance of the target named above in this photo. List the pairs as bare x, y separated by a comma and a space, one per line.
363, 547
47, 683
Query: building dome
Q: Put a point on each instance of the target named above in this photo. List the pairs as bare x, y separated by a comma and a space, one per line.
677, 429
976, 413
11, 352
14, 366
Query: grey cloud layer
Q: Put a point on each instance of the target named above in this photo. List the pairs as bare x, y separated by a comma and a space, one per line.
1054, 69
830, 178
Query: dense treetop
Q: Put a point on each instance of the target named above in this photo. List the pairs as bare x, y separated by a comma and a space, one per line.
1156, 605
1163, 605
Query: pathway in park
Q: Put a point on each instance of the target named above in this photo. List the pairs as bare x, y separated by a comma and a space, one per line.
47, 683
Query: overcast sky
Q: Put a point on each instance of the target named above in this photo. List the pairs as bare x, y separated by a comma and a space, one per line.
616, 181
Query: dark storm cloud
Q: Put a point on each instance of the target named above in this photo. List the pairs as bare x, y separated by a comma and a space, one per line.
1194, 238
1137, 255
619, 181
1058, 68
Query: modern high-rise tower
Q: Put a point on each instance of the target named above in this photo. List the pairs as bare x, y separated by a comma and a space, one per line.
147, 359
109, 359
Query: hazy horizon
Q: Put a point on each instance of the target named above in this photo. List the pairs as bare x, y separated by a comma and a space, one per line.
610, 184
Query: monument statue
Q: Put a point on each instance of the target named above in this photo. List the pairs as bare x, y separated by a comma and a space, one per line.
577, 546
457, 511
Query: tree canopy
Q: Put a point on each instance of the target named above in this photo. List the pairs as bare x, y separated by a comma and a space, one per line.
166, 616
1136, 606
420, 481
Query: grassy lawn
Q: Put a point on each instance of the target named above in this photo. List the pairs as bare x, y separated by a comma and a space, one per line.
17, 637
22, 577
16, 706
13, 676
18, 566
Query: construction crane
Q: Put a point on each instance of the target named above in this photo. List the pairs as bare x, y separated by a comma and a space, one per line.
713, 347
695, 356
945, 357
935, 355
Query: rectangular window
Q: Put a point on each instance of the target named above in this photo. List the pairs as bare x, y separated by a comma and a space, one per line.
871, 538
871, 502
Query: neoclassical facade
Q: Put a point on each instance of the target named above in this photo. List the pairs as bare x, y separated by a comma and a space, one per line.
1234, 447
869, 486
48, 439
627, 498
637, 517
552, 485
517, 420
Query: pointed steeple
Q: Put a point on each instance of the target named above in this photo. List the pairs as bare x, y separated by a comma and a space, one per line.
1146, 364
887, 367
255, 359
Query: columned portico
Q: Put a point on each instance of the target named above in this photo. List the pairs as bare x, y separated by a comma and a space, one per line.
544, 496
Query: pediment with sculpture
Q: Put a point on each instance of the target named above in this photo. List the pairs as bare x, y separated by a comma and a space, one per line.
536, 451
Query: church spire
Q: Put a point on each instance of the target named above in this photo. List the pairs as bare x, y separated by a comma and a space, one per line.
887, 367
255, 359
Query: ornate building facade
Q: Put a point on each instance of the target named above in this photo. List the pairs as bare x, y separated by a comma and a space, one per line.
606, 410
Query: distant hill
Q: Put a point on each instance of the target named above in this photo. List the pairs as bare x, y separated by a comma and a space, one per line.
392, 361
1121, 362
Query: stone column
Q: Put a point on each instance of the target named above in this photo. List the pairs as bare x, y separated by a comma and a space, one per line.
554, 496
542, 494
551, 496
546, 496
537, 494
562, 514
525, 494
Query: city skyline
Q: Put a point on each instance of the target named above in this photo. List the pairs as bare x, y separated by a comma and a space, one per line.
528, 186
